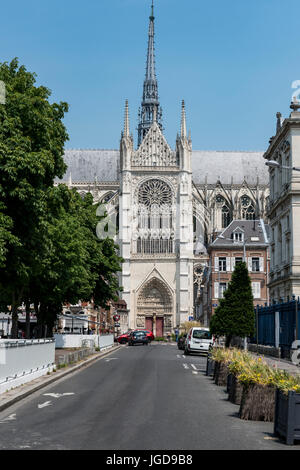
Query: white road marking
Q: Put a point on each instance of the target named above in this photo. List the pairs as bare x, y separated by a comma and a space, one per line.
179, 357
111, 359
194, 367
194, 372
9, 418
185, 366
43, 405
58, 395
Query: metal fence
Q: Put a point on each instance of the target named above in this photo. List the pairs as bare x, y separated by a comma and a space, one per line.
277, 324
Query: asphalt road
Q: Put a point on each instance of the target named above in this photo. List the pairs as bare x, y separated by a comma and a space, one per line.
138, 398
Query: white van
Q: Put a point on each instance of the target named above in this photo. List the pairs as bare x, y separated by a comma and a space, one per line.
198, 340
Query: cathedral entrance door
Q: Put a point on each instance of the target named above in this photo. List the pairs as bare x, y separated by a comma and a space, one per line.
159, 327
149, 323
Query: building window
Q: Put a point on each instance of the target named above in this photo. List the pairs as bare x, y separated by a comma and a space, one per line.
226, 217
238, 237
222, 289
238, 260
248, 211
256, 290
222, 264
255, 265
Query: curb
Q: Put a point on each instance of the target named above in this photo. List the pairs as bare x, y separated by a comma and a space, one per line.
58, 375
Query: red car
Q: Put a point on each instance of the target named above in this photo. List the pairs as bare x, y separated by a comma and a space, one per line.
123, 339
149, 334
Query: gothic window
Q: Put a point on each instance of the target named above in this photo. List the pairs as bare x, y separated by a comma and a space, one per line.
248, 211
226, 213
155, 218
226, 218
155, 192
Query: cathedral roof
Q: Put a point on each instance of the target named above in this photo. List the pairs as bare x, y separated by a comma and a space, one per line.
235, 167
86, 166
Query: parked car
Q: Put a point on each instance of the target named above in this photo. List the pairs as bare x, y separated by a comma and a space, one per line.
181, 341
148, 332
138, 337
198, 340
123, 339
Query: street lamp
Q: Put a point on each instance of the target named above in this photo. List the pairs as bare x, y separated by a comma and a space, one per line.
274, 164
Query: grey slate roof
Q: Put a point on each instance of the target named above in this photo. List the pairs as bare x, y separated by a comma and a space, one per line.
86, 166
207, 166
229, 166
251, 228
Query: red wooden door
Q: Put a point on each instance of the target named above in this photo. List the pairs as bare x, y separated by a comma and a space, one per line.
149, 323
159, 326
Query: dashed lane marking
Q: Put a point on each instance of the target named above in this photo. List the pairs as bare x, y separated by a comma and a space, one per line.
185, 366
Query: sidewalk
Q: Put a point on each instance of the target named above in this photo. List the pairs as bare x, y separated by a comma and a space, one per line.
283, 364
16, 394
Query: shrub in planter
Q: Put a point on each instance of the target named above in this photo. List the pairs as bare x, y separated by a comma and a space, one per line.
257, 403
259, 386
235, 390
221, 372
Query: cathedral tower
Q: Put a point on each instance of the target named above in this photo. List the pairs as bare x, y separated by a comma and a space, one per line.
156, 216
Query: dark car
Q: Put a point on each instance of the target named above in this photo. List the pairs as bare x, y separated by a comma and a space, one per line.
138, 337
148, 333
181, 341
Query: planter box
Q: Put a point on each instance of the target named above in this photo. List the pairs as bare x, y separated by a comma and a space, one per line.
287, 416
210, 366
258, 403
235, 390
220, 374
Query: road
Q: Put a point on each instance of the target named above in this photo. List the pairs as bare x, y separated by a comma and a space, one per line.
138, 398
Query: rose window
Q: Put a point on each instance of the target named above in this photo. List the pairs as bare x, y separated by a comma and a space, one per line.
155, 193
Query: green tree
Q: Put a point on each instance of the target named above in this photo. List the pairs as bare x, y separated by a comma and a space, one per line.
75, 265
235, 314
32, 138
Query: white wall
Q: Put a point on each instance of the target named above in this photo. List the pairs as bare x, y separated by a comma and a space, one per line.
78, 341
24, 360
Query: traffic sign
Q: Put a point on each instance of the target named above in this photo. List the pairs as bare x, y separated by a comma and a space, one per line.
116, 317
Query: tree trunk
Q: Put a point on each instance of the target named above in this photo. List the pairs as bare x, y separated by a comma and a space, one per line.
14, 321
228, 341
27, 332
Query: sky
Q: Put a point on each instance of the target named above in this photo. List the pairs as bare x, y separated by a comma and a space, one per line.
232, 61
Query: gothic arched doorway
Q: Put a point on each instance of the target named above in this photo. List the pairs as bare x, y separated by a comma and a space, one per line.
154, 307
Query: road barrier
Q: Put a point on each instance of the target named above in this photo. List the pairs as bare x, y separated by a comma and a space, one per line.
78, 341
22, 361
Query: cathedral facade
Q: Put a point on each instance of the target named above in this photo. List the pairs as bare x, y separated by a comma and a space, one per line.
169, 204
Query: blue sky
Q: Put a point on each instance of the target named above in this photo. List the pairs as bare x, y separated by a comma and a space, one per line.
232, 61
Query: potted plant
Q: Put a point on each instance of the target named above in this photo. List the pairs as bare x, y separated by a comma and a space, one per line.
287, 410
222, 358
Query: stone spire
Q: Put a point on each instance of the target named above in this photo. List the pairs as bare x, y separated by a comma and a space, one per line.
183, 121
150, 101
126, 121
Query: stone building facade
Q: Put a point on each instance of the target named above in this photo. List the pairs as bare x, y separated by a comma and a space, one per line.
242, 240
284, 206
169, 204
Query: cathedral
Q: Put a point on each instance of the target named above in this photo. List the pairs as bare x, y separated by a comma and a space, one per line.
169, 204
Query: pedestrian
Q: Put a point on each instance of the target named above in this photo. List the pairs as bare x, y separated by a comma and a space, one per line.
176, 331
